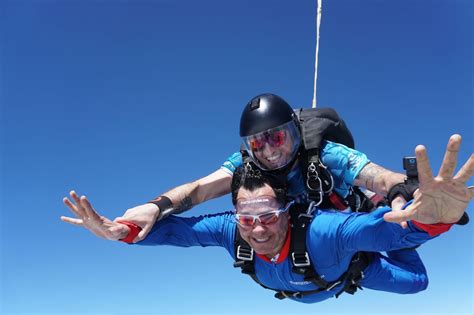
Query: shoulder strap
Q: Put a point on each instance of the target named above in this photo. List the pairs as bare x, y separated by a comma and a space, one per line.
300, 220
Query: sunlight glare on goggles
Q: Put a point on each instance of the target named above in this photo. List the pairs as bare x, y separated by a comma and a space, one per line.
274, 138
267, 218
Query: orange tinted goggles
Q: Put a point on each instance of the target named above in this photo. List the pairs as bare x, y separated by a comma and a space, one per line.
274, 139
267, 218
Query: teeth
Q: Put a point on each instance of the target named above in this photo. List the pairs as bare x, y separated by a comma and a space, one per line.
273, 158
261, 240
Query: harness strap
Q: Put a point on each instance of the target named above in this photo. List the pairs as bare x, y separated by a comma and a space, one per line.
355, 273
300, 257
287, 294
244, 258
351, 279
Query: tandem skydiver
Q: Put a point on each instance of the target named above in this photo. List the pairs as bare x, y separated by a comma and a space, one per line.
278, 141
340, 252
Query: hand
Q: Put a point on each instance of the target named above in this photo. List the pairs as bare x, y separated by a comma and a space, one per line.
144, 216
440, 199
91, 220
397, 205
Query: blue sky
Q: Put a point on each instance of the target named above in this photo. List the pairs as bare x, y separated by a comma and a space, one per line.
123, 100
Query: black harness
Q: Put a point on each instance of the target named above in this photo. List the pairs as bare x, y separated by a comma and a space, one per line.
300, 220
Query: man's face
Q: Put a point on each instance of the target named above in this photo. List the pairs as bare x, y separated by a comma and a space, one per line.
276, 150
265, 239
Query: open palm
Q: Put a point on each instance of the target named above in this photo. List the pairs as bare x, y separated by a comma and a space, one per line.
91, 220
440, 199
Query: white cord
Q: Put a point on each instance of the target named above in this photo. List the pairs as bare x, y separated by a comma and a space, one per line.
318, 24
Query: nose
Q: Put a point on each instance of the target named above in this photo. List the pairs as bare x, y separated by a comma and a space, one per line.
258, 228
268, 149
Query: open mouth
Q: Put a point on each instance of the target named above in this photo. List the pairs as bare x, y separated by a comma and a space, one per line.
261, 240
274, 159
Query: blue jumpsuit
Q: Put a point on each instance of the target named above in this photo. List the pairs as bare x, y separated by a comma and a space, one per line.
332, 239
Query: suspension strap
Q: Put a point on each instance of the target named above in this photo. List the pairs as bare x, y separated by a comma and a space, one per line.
319, 13
301, 219
244, 258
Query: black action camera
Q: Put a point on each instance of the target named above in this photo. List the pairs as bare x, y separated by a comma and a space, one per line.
409, 165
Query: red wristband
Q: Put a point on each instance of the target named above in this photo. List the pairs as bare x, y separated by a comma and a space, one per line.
134, 230
433, 229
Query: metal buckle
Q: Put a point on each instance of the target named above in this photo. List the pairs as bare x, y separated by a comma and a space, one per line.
306, 263
244, 254
308, 214
305, 215
335, 284
359, 278
297, 295
312, 175
356, 259
312, 207
331, 179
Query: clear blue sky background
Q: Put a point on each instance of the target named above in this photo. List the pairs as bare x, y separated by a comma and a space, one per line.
122, 100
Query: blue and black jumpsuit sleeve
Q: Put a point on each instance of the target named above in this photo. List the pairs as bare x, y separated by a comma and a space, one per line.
206, 230
335, 237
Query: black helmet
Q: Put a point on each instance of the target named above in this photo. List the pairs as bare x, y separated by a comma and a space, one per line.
269, 123
263, 112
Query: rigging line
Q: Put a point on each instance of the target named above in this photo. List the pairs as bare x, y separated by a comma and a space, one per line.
318, 25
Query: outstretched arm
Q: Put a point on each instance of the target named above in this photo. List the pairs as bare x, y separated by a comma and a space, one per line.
439, 202
186, 196
183, 198
208, 230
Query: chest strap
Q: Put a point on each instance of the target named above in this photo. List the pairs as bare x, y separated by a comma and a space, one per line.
245, 258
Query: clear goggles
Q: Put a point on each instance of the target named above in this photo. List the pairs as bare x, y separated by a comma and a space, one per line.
286, 138
269, 207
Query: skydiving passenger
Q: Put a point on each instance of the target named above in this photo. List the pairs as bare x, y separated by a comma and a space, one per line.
342, 248
272, 136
